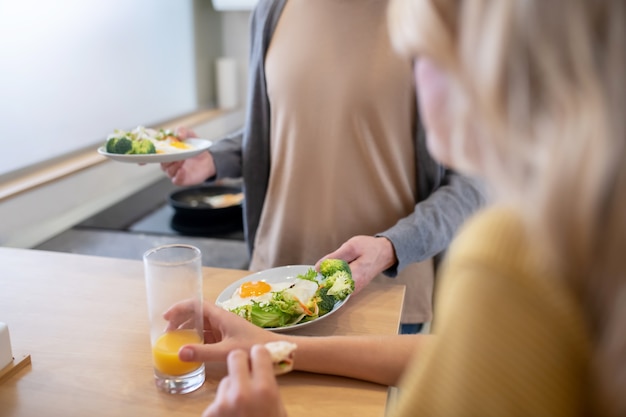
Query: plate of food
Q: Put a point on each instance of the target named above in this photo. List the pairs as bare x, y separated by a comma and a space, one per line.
143, 145
289, 297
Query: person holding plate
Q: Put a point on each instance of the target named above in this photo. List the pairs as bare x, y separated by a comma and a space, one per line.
531, 305
333, 152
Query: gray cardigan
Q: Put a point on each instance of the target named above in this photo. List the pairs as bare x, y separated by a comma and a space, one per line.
447, 198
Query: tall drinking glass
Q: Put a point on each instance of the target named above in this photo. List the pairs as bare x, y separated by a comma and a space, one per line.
173, 275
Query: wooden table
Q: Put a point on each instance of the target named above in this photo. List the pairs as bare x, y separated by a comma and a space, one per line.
84, 321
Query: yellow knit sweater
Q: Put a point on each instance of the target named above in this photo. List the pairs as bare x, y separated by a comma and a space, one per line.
510, 337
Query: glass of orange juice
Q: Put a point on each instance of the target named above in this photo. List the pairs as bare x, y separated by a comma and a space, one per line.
174, 275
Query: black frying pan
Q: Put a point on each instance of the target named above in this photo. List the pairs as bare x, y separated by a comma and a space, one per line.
194, 215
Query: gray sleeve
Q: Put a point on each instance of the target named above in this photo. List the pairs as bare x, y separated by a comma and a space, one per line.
227, 155
430, 228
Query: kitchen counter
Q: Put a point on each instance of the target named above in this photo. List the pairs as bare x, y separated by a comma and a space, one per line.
84, 322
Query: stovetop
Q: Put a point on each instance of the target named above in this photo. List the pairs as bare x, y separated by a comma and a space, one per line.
161, 220
143, 221
149, 211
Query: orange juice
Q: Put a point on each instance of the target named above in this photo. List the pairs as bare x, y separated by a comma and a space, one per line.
165, 352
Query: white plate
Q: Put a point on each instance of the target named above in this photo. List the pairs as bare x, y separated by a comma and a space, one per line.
199, 145
279, 274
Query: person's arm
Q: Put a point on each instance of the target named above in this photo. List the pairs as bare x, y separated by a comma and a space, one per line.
430, 228
379, 359
423, 234
227, 155
223, 160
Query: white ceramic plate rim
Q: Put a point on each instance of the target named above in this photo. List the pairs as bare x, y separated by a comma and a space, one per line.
278, 274
199, 145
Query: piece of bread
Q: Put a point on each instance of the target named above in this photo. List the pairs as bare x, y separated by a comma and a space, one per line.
282, 356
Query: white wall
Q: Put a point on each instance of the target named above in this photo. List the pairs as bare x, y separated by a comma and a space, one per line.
71, 71
235, 44
234, 4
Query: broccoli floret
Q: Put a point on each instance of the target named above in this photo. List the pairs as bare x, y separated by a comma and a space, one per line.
335, 288
123, 146
325, 301
340, 285
110, 145
143, 146
329, 266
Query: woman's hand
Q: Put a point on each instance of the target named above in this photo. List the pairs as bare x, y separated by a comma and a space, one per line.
249, 389
368, 256
223, 332
190, 171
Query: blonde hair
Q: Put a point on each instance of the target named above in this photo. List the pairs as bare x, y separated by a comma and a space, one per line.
546, 83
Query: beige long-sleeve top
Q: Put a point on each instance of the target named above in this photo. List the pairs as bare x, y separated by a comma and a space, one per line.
337, 88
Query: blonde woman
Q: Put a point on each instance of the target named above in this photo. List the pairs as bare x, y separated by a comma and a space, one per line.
531, 318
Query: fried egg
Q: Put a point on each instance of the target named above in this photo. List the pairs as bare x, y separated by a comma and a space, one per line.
260, 291
169, 145
223, 200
